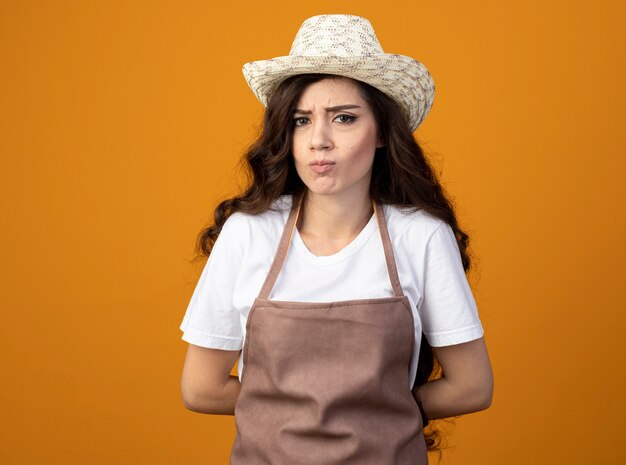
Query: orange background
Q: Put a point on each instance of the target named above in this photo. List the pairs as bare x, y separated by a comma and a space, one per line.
122, 124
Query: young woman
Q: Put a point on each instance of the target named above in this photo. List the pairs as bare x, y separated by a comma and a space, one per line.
339, 274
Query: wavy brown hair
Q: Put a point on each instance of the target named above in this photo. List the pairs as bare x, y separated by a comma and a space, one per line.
401, 176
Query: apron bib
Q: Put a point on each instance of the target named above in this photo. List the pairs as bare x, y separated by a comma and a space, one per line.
325, 383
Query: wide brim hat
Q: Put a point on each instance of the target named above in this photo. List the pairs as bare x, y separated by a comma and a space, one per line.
346, 45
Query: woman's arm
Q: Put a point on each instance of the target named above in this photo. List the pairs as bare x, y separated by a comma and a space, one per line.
466, 385
206, 384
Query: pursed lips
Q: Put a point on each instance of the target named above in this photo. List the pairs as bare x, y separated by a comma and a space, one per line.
322, 162
321, 166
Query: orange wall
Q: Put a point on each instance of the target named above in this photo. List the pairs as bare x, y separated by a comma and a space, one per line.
122, 123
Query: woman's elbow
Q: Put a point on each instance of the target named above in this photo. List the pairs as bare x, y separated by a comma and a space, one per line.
207, 404
198, 401
189, 401
212, 399
485, 403
483, 395
189, 398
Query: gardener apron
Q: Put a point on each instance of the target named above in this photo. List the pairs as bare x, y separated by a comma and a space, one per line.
327, 382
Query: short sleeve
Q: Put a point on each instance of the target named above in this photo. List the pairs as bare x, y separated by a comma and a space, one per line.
211, 320
448, 310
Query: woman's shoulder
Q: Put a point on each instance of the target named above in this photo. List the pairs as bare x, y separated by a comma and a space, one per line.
277, 211
246, 226
411, 222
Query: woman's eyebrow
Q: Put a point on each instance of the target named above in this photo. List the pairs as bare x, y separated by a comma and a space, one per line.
329, 109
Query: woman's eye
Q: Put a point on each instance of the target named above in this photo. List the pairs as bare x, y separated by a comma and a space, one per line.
299, 121
346, 118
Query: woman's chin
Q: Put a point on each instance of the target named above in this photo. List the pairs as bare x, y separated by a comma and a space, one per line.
322, 186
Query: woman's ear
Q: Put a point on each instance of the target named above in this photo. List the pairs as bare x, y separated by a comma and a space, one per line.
380, 142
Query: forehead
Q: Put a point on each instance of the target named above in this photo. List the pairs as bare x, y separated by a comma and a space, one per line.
331, 91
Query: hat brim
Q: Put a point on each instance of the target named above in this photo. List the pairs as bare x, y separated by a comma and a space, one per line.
402, 77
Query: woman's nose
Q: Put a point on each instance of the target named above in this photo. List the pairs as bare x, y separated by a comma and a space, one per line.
321, 137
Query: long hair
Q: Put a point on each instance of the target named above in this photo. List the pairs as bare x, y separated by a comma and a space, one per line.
401, 176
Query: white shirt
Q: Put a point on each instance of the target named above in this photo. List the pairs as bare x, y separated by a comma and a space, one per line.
427, 258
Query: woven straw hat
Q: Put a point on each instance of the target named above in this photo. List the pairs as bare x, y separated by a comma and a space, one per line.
346, 45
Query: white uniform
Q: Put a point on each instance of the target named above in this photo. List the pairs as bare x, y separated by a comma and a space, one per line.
426, 253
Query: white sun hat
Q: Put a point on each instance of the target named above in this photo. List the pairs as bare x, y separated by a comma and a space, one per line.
346, 45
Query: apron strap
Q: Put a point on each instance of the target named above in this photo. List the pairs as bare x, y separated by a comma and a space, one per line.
285, 240
389, 257
283, 245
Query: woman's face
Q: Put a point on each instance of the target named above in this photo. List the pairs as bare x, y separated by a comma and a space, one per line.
335, 137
